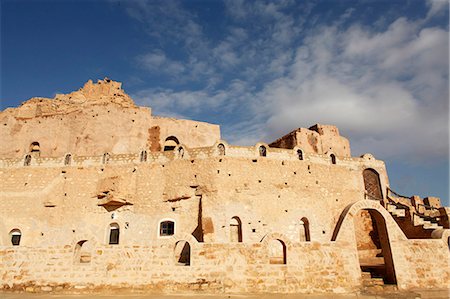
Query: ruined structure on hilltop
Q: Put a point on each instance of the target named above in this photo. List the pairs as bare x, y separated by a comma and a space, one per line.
97, 192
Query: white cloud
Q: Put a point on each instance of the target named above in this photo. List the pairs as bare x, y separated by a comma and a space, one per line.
387, 90
436, 7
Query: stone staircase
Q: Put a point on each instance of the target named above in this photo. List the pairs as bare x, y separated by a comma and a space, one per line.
427, 222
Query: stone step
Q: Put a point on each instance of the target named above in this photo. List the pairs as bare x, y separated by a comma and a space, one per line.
399, 212
431, 225
417, 220
390, 208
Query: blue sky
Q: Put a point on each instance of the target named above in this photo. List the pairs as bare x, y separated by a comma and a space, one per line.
376, 69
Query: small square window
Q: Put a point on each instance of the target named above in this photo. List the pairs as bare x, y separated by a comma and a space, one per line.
167, 228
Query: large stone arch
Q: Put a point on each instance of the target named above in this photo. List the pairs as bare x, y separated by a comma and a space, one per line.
344, 230
388, 233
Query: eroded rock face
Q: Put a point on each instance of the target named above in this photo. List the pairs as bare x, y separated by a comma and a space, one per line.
104, 92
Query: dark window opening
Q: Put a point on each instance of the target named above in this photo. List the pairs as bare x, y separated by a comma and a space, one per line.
15, 237
300, 154
27, 160
333, 159
35, 148
68, 159
171, 143
114, 232
262, 151
221, 149
167, 228
143, 156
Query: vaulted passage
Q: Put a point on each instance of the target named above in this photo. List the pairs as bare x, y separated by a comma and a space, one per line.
374, 251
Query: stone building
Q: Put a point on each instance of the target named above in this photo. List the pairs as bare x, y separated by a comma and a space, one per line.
97, 192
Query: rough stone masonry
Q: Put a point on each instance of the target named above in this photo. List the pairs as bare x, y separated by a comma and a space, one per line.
97, 192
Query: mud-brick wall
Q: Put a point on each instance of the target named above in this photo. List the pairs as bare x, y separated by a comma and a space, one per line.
311, 267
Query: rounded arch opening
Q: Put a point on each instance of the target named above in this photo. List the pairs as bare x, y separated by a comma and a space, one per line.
15, 236
221, 149
277, 251
304, 230
67, 159
262, 151
333, 158
235, 230
373, 245
35, 147
300, 154
171, 143
182, 253
82, 254
372, 184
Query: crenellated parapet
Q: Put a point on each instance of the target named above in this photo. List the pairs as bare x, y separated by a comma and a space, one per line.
181, 151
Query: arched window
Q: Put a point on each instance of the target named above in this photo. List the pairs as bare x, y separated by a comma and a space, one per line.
105, 159
277, 252
221, 148
235, 230
35, 148
82, 254
300, 154
167, 228
68, 159
27, 160
304, 230
15, 235
372, 183
183, 253
143, 156
114, 232
262, 151
171, 143
333, 159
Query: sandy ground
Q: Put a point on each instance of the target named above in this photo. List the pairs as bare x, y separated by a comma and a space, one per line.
441, 294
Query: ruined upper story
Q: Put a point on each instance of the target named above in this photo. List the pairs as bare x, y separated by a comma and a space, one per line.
318, 139
101, 118
98, 118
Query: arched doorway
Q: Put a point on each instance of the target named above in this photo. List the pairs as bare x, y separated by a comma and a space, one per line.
277, 251
304, 235
82, 252
372, 241
372, 183
183, 253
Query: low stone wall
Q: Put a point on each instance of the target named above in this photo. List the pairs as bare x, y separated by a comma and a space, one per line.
216, 268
